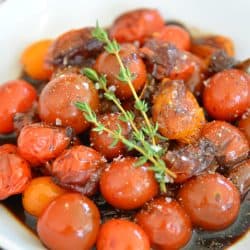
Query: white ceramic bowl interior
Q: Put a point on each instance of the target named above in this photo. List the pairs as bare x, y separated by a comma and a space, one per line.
22, 22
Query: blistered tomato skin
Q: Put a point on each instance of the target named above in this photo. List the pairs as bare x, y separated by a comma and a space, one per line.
69, 222
211, 200
79, 169
232, 145
120, 234
57, 101
108, 65
16, 96
227, 94
14, 173
102, 141
177, 112
174, 34
136, 25
39, 193
38, 143
244, 125
166, 224
127, 187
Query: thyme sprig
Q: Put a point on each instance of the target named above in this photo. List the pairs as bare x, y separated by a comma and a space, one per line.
139, 141
112, 47
148, 153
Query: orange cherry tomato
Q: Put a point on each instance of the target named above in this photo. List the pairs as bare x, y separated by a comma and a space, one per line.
14, 172
120, 234
57, 101
16, 96
102, 141
39, 193
211, 200
166, 224
79, 169
177, 112
108, 65
232, 145
174, 34
136, 25
33, 60
227, 94
127, 187
8, 148
71, 221
38, 143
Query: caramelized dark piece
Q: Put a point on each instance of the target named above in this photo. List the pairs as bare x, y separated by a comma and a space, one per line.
78, 169
232, 145
191, 160
244, 65
240, 176
73, 48
220, 61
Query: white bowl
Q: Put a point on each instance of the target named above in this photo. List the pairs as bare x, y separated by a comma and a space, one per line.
22, 22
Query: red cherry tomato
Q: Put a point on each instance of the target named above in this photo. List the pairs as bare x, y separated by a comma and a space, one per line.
38, 143
166, 224
127, 187
174, 34
119, 234
108, 65
16, 96
232, 145
79, 169
227, 94
69, 222
102, 141
57, 101
244, 125
136, 25
14, 172
211, 201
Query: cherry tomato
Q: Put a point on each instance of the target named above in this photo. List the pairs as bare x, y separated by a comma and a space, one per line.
244, 125
102, 141
108, 65
127, 187
69, 222
38, 143
57, 101
39, 193
73, 47
8, 148
227, 94
16, 96
232, 145
14, 172
136, 25
240, 176
211, 201
120, 234
166, 224
174, 34
33, 60
79, 169
177, 112
205, 46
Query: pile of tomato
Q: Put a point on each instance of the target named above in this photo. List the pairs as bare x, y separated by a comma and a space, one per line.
198, 93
